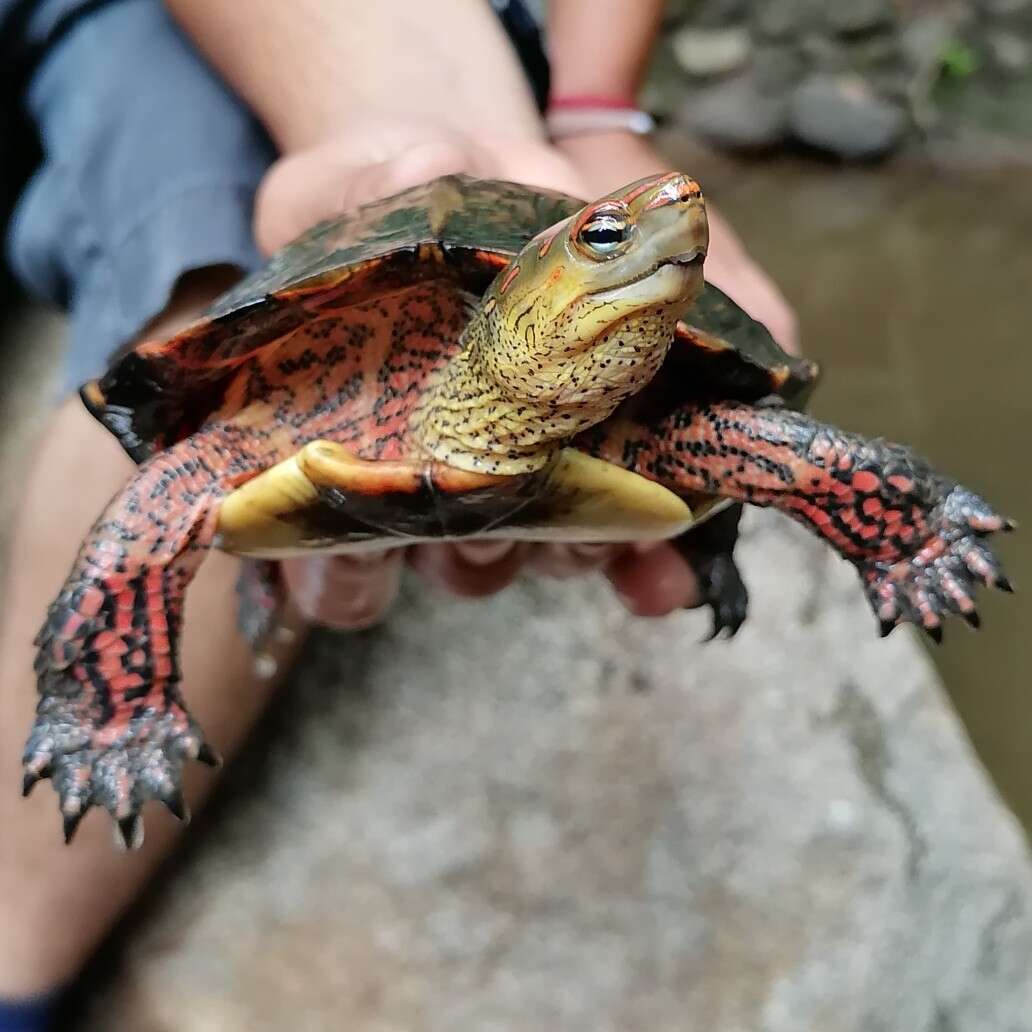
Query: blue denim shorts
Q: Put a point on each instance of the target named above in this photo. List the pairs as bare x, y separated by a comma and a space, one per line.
150, 166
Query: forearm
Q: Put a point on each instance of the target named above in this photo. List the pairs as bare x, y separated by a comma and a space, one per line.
601, 47
308, 68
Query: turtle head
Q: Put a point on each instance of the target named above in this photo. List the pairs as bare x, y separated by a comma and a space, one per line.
584, 315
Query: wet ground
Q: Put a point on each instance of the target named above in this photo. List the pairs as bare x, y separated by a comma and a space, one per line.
914, 290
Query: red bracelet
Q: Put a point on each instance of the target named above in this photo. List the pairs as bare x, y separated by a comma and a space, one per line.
588, 113
591, 101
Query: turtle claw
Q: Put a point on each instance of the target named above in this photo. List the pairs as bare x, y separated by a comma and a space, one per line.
71, 824
724, 591
176, 805
128, 832
207, 755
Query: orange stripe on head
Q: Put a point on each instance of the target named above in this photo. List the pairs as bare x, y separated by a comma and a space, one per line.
507, 279
687, 190
549, 239
635, 192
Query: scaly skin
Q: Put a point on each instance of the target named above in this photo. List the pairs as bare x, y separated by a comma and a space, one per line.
915, 537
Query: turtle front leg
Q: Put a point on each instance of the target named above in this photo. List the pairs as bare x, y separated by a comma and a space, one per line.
111, 727
709, 551
917, 538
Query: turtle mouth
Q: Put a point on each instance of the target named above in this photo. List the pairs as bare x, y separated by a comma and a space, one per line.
686, 260
693, 257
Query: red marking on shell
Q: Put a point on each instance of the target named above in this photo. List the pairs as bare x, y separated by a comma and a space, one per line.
871, 507
507, 279
901, 483
866, 481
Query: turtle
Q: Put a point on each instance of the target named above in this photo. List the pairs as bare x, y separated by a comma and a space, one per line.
468, 358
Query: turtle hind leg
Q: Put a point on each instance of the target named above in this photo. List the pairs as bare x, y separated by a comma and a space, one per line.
111, 727
709, 551
917, 538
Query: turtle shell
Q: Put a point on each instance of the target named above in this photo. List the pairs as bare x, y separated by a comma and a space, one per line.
455, 228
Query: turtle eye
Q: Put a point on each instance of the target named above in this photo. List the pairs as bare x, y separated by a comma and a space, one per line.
605, 235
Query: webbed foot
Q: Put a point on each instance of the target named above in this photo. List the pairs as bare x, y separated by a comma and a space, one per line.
118, 764
940, 576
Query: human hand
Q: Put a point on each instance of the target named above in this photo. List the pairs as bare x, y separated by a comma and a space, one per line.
375, 161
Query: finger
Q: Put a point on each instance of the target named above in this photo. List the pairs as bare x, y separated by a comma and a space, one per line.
345, 592
655, 583
562, 561
729, 267
471, 570
304, 188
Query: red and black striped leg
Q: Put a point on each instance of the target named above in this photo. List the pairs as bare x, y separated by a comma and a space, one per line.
111, 727
918, 539
709, 551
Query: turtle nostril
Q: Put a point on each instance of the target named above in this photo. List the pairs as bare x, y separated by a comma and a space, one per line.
688, 190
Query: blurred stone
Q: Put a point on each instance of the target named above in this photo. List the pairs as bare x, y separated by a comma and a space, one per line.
709, 52
737, 113
540, 813
824, 52
1009, 52
925, 38
783, 18
1002, 7
843, 115
853, 16
776, 66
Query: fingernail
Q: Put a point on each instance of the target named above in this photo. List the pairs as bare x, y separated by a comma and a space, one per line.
483, 553
370, 558
644, 547
592, 551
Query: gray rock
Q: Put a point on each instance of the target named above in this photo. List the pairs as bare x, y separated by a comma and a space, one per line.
1002, 8
1009, 52
776, 67
851, 16
778, 19
843, 115
925, 38
703, 52
541, 813
737, 113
